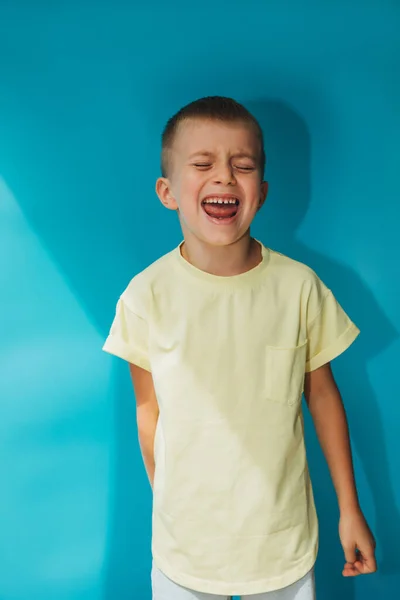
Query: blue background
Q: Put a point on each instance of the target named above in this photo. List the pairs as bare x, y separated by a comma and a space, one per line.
85, 90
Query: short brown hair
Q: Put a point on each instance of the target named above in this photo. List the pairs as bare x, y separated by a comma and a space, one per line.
218, 108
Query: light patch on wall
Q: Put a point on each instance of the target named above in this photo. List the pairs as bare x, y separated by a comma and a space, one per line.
55, 421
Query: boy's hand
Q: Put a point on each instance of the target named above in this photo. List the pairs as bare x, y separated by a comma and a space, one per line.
358, 544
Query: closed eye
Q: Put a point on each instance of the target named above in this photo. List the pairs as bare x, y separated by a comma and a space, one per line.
205, 165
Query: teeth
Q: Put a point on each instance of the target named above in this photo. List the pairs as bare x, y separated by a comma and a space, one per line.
220, 201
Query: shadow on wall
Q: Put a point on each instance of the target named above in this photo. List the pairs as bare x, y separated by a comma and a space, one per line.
84, 244
288, 150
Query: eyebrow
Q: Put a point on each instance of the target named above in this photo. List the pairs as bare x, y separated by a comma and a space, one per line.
237, 155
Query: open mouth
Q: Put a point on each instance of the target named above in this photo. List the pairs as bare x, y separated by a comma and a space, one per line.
221, 208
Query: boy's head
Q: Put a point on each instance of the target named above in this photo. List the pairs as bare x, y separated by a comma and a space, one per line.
212, 169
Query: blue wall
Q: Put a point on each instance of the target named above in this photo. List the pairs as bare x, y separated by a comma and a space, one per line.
85, 89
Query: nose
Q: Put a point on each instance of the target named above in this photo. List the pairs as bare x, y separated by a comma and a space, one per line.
224, 175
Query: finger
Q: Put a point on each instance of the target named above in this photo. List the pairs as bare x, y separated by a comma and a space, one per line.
349, 569
360, 567
350, 554
371, 561
350, 572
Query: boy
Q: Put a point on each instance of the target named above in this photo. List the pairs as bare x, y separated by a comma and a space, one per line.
223, 335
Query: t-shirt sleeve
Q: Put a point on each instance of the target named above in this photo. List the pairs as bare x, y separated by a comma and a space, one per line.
330, 331
128, 337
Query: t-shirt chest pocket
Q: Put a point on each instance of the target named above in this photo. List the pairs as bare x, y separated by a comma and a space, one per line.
285, 373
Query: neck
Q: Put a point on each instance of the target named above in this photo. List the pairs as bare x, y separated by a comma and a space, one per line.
225, 261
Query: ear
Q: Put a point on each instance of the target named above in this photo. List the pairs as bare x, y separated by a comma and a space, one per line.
263, 193
164, 192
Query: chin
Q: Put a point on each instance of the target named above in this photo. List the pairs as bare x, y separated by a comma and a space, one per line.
222, 238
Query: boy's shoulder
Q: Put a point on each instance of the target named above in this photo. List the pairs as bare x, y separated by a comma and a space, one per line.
292, 271
143, 284
158, 268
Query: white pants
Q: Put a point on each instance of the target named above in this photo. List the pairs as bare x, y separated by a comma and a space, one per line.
165, 589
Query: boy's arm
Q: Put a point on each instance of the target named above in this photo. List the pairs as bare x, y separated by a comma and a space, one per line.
147, 412
327, 411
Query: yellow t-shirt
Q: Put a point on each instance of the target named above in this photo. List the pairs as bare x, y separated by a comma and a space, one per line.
233, 508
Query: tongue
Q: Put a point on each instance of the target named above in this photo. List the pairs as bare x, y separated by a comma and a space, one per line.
220, 210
